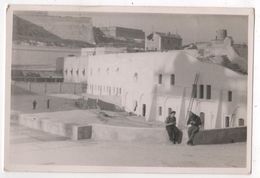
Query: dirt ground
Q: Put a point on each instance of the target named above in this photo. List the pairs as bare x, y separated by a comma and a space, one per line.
23, 103
28, 146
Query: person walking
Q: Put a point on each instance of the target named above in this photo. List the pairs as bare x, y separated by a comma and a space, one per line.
193, 123
34, 104
48, 103
171, 128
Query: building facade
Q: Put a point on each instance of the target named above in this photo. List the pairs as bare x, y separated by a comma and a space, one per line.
163, 42
153, 84
123, 33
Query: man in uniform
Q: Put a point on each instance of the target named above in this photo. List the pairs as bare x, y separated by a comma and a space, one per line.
171, 127
193, 126
34, 104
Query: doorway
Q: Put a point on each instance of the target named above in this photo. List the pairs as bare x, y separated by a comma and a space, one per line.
144, 110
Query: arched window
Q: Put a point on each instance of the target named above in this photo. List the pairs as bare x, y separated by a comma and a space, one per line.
107, 71
241, 122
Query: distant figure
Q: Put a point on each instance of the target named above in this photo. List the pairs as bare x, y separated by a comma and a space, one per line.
48, 103
171, 127
34, 104
193, 123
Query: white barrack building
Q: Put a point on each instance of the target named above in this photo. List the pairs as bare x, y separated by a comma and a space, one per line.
151, 84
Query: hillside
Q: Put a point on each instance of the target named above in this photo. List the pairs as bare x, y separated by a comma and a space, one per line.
25, 32
102, 40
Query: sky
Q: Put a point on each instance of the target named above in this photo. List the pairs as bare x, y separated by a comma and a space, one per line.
192, 28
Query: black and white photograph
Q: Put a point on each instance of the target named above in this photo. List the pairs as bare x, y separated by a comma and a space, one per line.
130, 90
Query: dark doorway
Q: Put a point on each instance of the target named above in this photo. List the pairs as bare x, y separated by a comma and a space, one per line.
241, 122
227, 121
144, 109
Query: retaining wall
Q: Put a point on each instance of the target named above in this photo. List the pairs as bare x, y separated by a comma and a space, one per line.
131, 134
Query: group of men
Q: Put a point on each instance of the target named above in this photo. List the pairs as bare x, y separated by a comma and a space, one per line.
34, 104
175, 134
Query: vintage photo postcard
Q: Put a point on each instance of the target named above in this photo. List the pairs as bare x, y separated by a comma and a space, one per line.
129, 89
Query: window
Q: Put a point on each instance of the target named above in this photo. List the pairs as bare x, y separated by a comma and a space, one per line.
208, 92
83, 72
66, 71
241, 122
107, 70
160, 79
77, 71
172, 79
117, 69
201, 91
194, 91
230, 96
227, 124
71, 71
160, 110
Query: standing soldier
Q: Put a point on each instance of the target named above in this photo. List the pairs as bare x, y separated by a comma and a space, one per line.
34, 104
48, 103
171, 127
193, 127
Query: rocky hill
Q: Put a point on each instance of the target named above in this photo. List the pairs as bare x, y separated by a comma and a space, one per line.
27, 33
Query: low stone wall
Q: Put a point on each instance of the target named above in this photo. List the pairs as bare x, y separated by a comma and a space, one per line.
123, 133
119, 133
219, 136
70, 130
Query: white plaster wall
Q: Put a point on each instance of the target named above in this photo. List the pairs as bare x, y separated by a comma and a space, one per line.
118, 71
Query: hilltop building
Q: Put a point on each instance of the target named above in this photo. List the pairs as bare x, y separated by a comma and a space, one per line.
163, 42
223, 45
123, 33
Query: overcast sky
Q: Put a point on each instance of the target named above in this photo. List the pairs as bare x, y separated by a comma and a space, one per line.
192, 28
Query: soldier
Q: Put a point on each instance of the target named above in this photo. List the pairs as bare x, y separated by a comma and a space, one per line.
171, 127
48, 103
34, 104
193, 126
